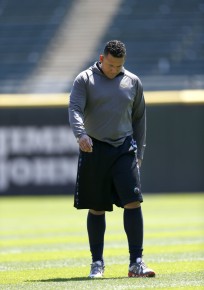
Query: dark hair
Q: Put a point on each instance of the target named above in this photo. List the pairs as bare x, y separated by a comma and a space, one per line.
116, 48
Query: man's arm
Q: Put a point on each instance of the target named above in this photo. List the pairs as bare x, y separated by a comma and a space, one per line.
139, 122
76, 114
76, 106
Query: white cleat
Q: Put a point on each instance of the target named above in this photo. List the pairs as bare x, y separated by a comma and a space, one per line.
97, 269
139, 269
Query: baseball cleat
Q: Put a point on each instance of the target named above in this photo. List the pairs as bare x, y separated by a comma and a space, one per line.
139, 269
97, 269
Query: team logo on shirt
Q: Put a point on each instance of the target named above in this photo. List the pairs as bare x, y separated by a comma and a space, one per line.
123, 84
133, 146
136, 190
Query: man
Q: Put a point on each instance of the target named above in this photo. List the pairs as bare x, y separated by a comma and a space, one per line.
107, 116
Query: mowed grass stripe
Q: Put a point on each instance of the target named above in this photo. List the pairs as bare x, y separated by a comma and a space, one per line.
179, 230
110, 262
62, 229
109, 252
167, 275
22, 242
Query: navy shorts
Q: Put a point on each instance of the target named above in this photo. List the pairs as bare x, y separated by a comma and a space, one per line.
109, 175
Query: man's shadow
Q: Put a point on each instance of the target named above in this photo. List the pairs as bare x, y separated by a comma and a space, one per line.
73, 279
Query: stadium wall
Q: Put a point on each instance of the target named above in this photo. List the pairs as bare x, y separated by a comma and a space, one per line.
38, 152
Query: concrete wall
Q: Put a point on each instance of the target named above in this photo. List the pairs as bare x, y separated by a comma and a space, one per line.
38, 152
174, 157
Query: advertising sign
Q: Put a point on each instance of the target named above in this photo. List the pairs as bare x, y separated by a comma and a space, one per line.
38, 152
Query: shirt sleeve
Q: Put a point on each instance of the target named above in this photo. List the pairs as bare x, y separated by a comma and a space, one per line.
76, 106
139, 120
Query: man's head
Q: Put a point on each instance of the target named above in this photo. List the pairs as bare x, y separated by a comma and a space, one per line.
116, 48
113, 58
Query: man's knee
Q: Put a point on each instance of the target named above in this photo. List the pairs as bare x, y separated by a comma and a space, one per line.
133, 204
96, 212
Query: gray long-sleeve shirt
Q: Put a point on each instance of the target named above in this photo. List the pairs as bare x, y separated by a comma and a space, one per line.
108, 110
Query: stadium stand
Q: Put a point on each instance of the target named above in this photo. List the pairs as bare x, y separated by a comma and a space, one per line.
165, 42
26, 29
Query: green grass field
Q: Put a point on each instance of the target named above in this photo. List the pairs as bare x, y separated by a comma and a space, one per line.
44, 245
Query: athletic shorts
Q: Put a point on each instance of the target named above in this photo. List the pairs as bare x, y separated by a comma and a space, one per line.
108, 175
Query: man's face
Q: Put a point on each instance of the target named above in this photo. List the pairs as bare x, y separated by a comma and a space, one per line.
111, 66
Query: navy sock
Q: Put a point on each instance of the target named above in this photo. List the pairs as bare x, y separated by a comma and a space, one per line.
133, 225
96, 226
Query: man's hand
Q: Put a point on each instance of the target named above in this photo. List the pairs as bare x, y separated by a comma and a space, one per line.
139, 162
85, 143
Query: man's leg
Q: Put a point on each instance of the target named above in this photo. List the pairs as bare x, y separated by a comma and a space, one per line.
133, 224
96, 226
